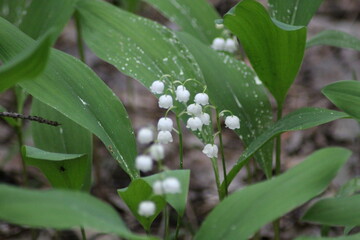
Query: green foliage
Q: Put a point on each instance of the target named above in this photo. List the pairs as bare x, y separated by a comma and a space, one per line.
27, 65
334, 38
294, 12
238, 92
60, 209
12, 10
73, 89
275, 49
340, 211
63, 170
300, 119
351, 237
196, 17
346, 96
349, 188
237, 218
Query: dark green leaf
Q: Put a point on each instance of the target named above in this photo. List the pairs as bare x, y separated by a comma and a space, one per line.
351, 237
345, 95
244, 212
298, 120
275, 49
336, 39
62, 170
74, 90
68, 138
349, 188
238, 91
28, 64
13, 10
138, 191
294, 12
60, 209
196, 17
341, 211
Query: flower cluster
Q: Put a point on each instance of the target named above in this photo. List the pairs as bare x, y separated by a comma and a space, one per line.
228, 45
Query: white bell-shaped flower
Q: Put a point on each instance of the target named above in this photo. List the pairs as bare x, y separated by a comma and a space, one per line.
157, 87
157, 151
145, 136
143, 163
194, 123
210, 150
146, 208
165, 101
232, 122
194, 109
230, 45
165, 124
171, 185
158, 187
164, 137
202, 99
182, 94
218, 44
205, 118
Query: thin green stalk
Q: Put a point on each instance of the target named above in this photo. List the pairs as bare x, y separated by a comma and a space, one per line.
217, 177
83, 234
222, 151
178, 223
276, 223
19, 135
181, 154
79, 38
166, 222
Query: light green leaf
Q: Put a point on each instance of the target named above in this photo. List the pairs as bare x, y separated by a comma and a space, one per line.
244, 212
238, 91
74, 90
139, 191
28, 64
341, 211
12, 10
177, 201
60, 209
300, 119
196, 17
345, 95
62, 170
294, 12
275, 49
351, 237
335, 39
68, 138
349, 188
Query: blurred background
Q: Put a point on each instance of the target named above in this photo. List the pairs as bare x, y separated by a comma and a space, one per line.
322, 65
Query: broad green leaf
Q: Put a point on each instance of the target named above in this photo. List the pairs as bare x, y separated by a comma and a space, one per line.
130, 5
349, 188
336, 39
238, 91
13, 10
244, 212
139, 191
300, 119
294, 12
68, 138
275, 49
41, 15
28, 64
351, 237
341, 211
62, 170
345, 95
60, 209
177, 201
74, 90
196, 17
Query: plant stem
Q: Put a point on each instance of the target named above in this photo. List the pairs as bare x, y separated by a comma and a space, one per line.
21, 143
222, 152
83, 235
166, 218
180, 142
276, 223
217, 178
178, 223
79, 38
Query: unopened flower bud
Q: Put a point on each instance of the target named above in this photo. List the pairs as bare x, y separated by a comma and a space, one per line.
165, 101
182, 94
194, 123
171, 185
157, 87
157, 152
232, 122
210, 150
218, 44
194, 109
205, 118
202, 99
146, 208
230, 45
145, 136
164, 137
165, 124
143, 163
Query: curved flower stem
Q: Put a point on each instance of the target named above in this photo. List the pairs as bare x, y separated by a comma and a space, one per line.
178, 223
166, 218
217, 178
222, 150
180, 142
